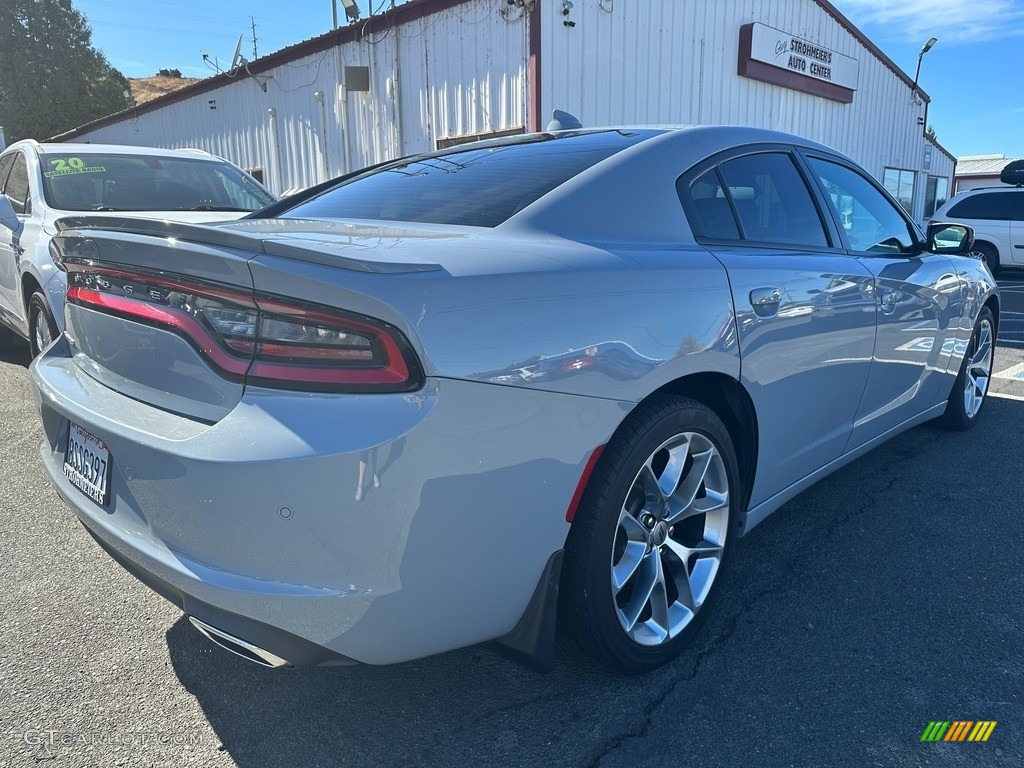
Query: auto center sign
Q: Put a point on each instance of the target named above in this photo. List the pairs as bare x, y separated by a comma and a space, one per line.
774, 56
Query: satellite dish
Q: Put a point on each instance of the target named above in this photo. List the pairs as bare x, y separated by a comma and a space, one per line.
238, 59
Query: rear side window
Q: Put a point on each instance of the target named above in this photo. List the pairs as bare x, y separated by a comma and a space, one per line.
995, 206
16, 187
714, 213
470, 186
771, 201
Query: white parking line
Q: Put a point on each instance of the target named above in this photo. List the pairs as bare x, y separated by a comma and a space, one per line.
1014, 372
1004, 396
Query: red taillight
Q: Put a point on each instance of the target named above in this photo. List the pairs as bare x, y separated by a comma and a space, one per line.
267, 340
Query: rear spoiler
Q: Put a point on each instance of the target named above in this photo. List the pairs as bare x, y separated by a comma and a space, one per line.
197, 233
254, 242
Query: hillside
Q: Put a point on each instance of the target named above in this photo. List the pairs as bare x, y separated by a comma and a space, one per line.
148, 88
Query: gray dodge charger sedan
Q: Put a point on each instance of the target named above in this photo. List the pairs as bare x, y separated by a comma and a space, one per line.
528, 384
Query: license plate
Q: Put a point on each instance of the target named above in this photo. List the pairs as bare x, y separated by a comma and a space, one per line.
87, 464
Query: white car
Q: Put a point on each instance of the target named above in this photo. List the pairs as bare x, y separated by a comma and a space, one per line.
45, 183
997, 216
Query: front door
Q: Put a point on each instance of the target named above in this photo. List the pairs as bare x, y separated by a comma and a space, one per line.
918, 297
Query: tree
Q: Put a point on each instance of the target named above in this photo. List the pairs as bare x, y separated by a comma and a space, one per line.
930, 134
51, 78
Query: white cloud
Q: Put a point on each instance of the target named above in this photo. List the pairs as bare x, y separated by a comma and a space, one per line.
952, 21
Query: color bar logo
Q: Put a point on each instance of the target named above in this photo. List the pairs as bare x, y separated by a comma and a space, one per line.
958, 730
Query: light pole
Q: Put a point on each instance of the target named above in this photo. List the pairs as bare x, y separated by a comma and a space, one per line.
927, 47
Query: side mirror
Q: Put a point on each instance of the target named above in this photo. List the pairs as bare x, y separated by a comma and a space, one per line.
951, 239
8, 218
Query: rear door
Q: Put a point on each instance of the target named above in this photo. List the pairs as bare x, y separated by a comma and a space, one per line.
1017, 228
990, 214
804, 308
918, 299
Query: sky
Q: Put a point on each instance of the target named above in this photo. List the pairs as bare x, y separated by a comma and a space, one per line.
973, 73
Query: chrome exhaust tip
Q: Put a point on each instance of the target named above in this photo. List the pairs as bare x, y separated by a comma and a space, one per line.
238, 646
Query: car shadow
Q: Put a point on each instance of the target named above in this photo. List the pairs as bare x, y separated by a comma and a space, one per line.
788, 636
400, 715
426, 712
18, 353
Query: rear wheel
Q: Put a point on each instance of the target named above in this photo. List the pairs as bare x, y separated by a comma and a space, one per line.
986, 253
42, 329
971, 386
646, 551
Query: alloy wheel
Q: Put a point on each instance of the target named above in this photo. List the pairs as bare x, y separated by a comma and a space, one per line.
979, 368
670, 539
41, 331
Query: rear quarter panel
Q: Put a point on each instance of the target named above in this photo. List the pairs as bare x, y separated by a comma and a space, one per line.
616, 325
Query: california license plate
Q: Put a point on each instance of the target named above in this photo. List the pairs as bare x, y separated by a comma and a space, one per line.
87, 464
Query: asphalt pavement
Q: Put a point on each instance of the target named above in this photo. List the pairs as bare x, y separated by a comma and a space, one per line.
888, 596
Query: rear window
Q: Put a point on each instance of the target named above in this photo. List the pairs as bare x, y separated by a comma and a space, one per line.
994, 206
109, 182
477, 186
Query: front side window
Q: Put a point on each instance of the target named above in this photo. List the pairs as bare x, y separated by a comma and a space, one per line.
900, 184
994, 206
871, 223
5, 168
115, 182
16, 187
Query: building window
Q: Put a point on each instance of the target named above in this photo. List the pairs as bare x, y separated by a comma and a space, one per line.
935, 194
454, 141
900, 184
256, 173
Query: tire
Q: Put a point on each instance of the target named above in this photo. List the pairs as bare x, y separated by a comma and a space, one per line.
986, 253
641, 568
42, 330
971, 386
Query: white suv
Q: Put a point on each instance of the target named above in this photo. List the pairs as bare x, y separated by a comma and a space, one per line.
997, 217
42, 183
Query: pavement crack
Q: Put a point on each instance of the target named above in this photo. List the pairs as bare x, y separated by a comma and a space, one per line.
796, 568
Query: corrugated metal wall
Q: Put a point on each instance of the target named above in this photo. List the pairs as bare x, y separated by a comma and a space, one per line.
655, 61
459, 71
463, 71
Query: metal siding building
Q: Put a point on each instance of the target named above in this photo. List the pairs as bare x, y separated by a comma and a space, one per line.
431, 72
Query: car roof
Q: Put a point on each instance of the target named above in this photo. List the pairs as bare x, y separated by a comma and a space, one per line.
69, 148
976, 190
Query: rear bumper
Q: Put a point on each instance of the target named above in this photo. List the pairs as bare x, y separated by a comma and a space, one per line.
268, 525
